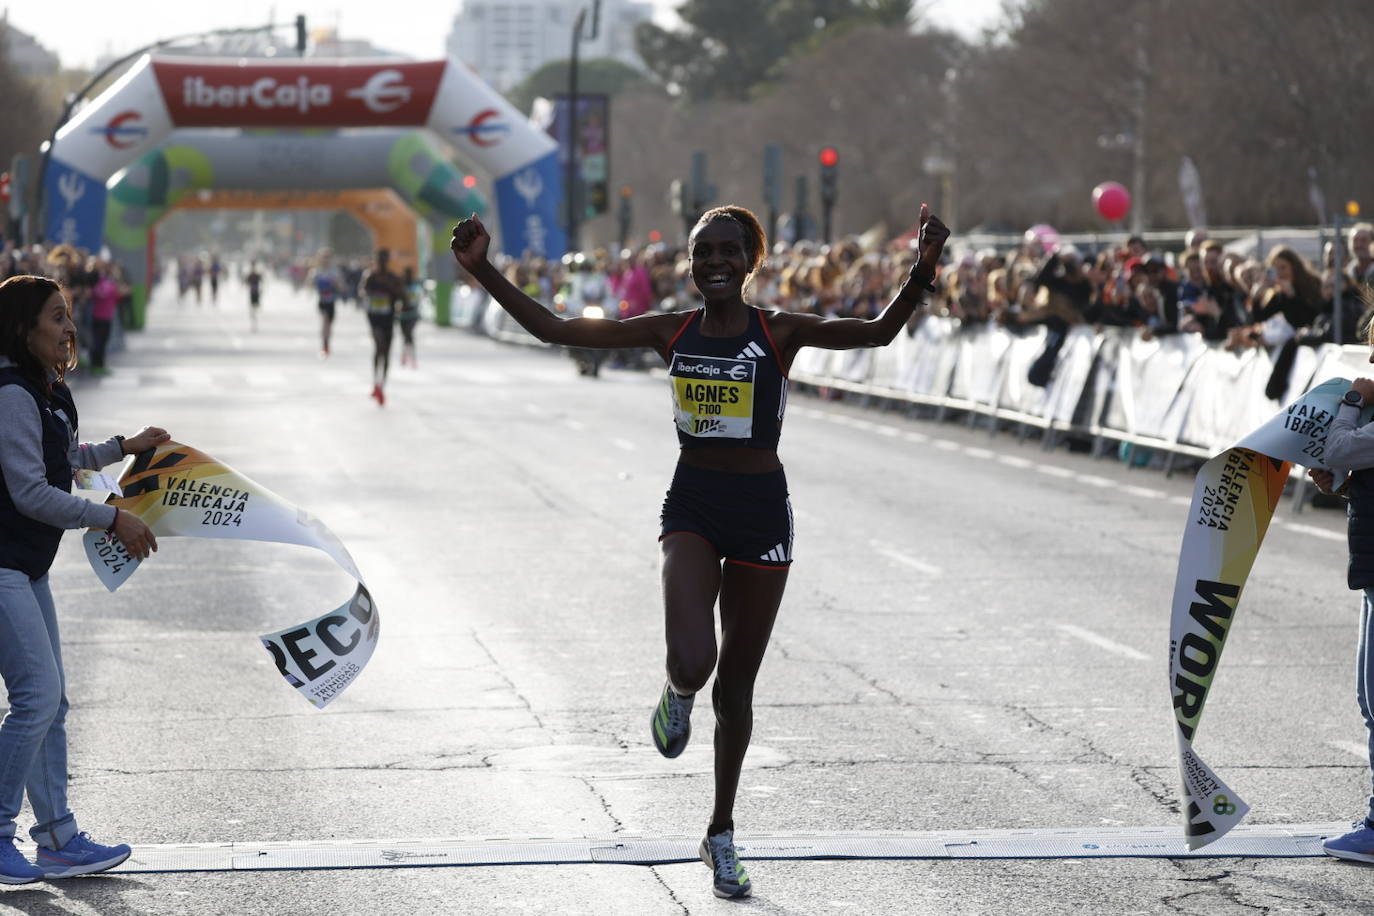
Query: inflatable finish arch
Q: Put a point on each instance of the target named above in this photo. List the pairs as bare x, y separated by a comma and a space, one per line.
407, 161
388, 219
159, 94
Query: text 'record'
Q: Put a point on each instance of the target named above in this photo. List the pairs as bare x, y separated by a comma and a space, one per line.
1233, 501
179, 491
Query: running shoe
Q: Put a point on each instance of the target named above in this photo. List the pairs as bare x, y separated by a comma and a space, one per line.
1357, 845
728, 876
14, 868
81, 856
672, 722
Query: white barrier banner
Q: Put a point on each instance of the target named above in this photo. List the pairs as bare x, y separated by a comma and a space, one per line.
179, 491
1233, 501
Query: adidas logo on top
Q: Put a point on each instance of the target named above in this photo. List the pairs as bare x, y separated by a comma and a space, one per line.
753, 351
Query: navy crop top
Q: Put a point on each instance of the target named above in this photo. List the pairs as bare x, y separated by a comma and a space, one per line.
727, 391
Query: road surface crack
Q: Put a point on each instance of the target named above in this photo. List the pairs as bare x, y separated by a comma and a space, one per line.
505, 677
653, 870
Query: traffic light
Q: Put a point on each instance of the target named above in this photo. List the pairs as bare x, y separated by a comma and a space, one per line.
300, 35
830, 168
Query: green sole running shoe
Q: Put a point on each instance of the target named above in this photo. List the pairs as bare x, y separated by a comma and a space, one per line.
671, 724
729, 879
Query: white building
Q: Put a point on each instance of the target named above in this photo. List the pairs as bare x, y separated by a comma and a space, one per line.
507, 40
24, 52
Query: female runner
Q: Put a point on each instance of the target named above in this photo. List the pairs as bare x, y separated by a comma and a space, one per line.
727, 522
382, 289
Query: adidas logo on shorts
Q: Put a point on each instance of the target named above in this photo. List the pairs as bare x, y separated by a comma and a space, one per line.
778, 554
752, 351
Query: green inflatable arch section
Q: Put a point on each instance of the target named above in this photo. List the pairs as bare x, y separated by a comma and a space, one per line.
407, 161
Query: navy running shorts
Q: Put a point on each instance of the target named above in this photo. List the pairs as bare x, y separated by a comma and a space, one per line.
747, 518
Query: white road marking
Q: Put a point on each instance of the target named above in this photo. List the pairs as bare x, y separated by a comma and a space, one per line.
1143, 492
985, 453
947, 445
1350, 747
476, 376
1315, 532
1103, 642
626, 444
576, 426
1053, 470
915, 437
1012, 461
897, 556
189, 379
1093, 480
263, 379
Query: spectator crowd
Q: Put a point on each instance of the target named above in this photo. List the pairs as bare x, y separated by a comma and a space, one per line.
98, 288
1232, 299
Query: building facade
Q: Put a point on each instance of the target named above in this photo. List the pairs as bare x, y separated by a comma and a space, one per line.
505, 41
24, 52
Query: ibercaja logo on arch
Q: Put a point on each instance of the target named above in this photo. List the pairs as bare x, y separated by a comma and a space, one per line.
386, 93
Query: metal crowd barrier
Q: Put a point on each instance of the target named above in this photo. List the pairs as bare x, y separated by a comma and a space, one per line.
1178, 394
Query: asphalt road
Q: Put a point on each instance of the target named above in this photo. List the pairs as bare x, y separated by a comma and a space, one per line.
974, 636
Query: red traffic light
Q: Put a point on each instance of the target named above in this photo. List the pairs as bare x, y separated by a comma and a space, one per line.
830, 157
469, 181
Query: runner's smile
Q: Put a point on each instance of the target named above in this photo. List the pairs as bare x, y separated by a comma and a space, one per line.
719, 264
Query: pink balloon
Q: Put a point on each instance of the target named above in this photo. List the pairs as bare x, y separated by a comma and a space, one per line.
1045, 234
1112, 201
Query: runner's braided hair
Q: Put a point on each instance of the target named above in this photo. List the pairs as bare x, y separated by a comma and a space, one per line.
755, 239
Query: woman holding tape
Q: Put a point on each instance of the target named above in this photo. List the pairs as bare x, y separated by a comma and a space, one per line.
726, 521
1350, 445
38, 454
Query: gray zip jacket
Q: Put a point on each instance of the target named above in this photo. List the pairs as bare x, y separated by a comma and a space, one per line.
21, 461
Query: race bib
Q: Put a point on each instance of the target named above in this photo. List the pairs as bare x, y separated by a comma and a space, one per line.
713, 396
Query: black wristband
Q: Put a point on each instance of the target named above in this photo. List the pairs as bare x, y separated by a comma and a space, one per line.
120, 440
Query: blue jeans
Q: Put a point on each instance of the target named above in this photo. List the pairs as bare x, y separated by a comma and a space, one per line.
33, 736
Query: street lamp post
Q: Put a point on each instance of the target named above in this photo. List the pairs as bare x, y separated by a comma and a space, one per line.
570, 191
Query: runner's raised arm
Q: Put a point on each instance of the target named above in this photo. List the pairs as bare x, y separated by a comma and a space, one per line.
470, 245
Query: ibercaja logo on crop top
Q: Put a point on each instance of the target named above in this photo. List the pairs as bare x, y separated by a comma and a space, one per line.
390, 93
713, 396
